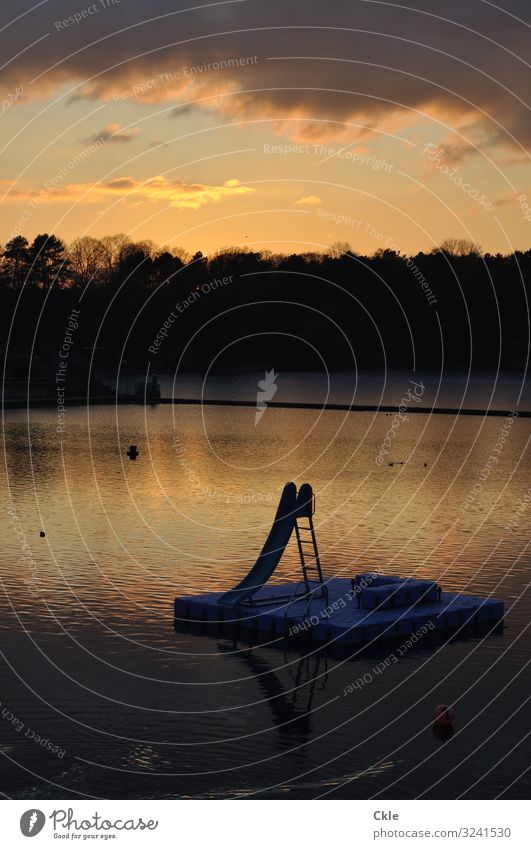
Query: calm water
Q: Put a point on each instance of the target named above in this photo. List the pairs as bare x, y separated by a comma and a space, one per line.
92, 662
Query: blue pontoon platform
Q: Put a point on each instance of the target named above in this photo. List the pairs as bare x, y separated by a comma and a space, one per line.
341, 611
342, 620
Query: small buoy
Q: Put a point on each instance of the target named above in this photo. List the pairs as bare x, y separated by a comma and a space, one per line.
443, 715
443, 732
42, 534
133, 452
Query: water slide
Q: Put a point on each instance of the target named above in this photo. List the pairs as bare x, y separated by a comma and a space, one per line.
289, 507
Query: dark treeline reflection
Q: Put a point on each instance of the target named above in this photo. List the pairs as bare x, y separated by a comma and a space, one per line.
139, 303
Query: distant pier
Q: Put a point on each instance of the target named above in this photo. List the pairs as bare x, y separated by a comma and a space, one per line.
113, 400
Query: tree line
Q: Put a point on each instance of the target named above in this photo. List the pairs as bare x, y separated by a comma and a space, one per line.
455, 305
47, 261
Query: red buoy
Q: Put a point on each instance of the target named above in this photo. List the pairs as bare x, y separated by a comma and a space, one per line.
443, 715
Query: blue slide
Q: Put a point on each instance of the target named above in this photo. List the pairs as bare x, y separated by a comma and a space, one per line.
276, 542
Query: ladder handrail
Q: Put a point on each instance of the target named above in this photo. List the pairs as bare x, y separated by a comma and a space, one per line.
310, 595
313, 542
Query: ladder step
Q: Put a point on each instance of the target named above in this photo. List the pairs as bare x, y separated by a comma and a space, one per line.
308, 552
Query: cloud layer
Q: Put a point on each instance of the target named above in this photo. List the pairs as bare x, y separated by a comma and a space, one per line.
174, 193
344, 68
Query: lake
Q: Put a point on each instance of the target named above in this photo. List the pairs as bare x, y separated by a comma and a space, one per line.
95, 670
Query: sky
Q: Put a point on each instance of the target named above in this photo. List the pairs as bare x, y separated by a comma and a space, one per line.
284, 125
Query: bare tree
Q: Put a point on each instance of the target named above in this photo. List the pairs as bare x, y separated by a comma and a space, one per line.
114, 248
339, 248
88, 261
459, 247
181, 254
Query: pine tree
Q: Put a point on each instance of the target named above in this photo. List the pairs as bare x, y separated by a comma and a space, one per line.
16, 260
49, 264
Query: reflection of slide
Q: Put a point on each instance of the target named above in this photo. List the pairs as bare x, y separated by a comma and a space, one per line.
272, 551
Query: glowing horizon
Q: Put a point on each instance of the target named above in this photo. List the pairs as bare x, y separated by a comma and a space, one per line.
228, 136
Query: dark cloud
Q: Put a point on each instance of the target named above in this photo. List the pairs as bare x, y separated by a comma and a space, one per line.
315, 67
115, 134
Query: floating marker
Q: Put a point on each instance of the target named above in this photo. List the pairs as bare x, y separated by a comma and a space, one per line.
443, 715
443, 732
133, 452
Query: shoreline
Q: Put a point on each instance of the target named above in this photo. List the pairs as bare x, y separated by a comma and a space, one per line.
122, 400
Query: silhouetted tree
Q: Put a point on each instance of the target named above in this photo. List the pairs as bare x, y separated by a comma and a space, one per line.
16, 259
48, 261
88, 262
135, 267
114, 248
459, 247
341, 304
339, 249
165, 266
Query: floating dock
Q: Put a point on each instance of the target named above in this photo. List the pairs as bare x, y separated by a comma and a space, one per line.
351, 612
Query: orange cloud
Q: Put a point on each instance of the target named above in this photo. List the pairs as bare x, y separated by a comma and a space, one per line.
176, 193
310, 200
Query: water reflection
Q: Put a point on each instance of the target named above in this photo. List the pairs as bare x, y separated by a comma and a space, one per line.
93, 660
291, 708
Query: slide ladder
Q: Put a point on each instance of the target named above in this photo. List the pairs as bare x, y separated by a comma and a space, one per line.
312, 574
308, 551
294, 512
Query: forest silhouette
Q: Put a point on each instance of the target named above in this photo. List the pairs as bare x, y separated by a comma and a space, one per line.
454, 307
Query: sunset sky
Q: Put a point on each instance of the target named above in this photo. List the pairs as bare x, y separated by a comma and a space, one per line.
284, 125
